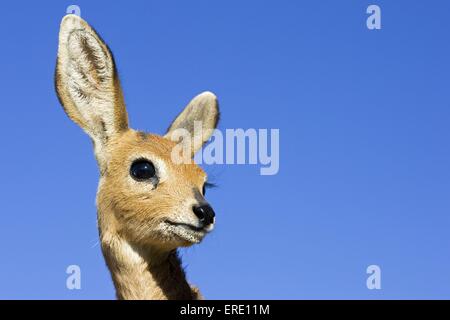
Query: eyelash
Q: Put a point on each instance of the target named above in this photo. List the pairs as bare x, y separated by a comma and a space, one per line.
207, 185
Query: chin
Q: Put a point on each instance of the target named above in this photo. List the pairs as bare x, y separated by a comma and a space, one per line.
186, 236
169, 237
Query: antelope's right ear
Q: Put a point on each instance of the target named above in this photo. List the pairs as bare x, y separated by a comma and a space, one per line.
87, 83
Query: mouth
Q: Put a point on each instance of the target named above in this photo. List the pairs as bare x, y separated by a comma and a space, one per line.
187, 226
187, 232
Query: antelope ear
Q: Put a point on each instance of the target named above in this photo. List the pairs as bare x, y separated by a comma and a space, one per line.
198, 120
87, 83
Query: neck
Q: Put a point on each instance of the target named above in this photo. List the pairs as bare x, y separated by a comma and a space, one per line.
145, 274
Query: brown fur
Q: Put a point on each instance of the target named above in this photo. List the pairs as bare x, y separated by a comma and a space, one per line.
138, 241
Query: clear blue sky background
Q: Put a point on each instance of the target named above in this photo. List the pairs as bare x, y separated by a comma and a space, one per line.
364, 144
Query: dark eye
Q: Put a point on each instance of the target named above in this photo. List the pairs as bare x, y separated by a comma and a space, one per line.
142, 170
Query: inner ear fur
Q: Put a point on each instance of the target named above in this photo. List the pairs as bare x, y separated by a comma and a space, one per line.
198, 119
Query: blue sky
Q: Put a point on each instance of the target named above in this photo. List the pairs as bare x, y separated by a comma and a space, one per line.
364, 144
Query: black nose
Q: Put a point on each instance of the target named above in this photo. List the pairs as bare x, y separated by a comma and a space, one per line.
204, 213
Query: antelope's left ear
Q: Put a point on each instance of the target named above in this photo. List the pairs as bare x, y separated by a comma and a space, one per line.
198, 119
87, 84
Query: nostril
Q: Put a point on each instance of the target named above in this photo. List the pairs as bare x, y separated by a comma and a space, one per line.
204, 213
199, 212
